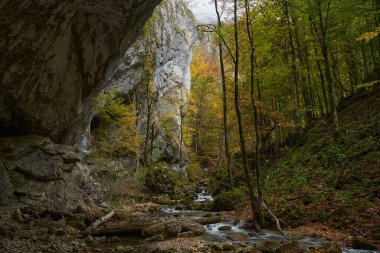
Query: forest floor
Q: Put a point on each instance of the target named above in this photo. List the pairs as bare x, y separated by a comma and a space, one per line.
331, 186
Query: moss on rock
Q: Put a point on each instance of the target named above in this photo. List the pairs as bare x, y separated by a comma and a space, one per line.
229, 200
161, 179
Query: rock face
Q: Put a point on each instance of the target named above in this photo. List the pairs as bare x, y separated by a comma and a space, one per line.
54, 56
43, 174
158, 66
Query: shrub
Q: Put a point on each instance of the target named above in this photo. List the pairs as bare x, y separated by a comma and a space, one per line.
230, 200
159, 178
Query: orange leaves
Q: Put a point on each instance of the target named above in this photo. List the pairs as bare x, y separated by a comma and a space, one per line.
277, 115
368, 36
203, 65
117, 130
204, 116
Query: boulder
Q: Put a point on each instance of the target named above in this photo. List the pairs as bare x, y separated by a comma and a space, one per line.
224, 228
362, 243
267, 246
39, 166
228, 247
332, 247
187, 234
237, 237
43, 174
230, 200
291, 247
172, 228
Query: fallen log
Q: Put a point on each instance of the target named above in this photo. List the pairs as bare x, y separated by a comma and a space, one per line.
135, 227
124, 227
97, 223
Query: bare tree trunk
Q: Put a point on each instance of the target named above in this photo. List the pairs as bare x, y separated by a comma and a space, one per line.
238, 114
259, 218
333, 110
298, 121
148, 122
313, 29
181, 137
302, 56
318, 95
225, 118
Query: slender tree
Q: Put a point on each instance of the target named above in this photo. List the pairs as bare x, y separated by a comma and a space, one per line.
243, 147
225, 109
255, 113
325, 51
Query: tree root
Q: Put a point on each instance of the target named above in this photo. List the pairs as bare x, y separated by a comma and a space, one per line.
274, 217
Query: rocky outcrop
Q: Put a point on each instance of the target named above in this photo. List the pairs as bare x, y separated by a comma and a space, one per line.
156, 71
54, 56
42, 174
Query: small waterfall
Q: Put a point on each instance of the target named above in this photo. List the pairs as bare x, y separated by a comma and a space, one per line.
203, 196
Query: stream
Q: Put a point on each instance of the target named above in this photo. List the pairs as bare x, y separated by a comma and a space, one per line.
226, 231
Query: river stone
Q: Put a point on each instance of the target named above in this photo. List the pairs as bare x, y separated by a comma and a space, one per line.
217, 246
225, 228
187, 234
291, 247
267, 246
171, 228
228, 247
328, 247
362, 243
237, 237
248, 249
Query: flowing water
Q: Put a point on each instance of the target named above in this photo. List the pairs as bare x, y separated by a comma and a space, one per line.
226, 231
203, 195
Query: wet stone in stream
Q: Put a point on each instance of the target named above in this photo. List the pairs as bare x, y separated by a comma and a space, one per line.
225, 228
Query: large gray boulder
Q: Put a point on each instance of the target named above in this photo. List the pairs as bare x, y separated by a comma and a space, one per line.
54, 56
43, 174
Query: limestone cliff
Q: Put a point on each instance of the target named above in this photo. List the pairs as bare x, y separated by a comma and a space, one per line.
54, 56
158, 66
54, 59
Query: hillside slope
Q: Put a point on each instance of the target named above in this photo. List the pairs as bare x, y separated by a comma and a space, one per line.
334, 184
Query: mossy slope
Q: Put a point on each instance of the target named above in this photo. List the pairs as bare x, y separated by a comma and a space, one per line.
334, 182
